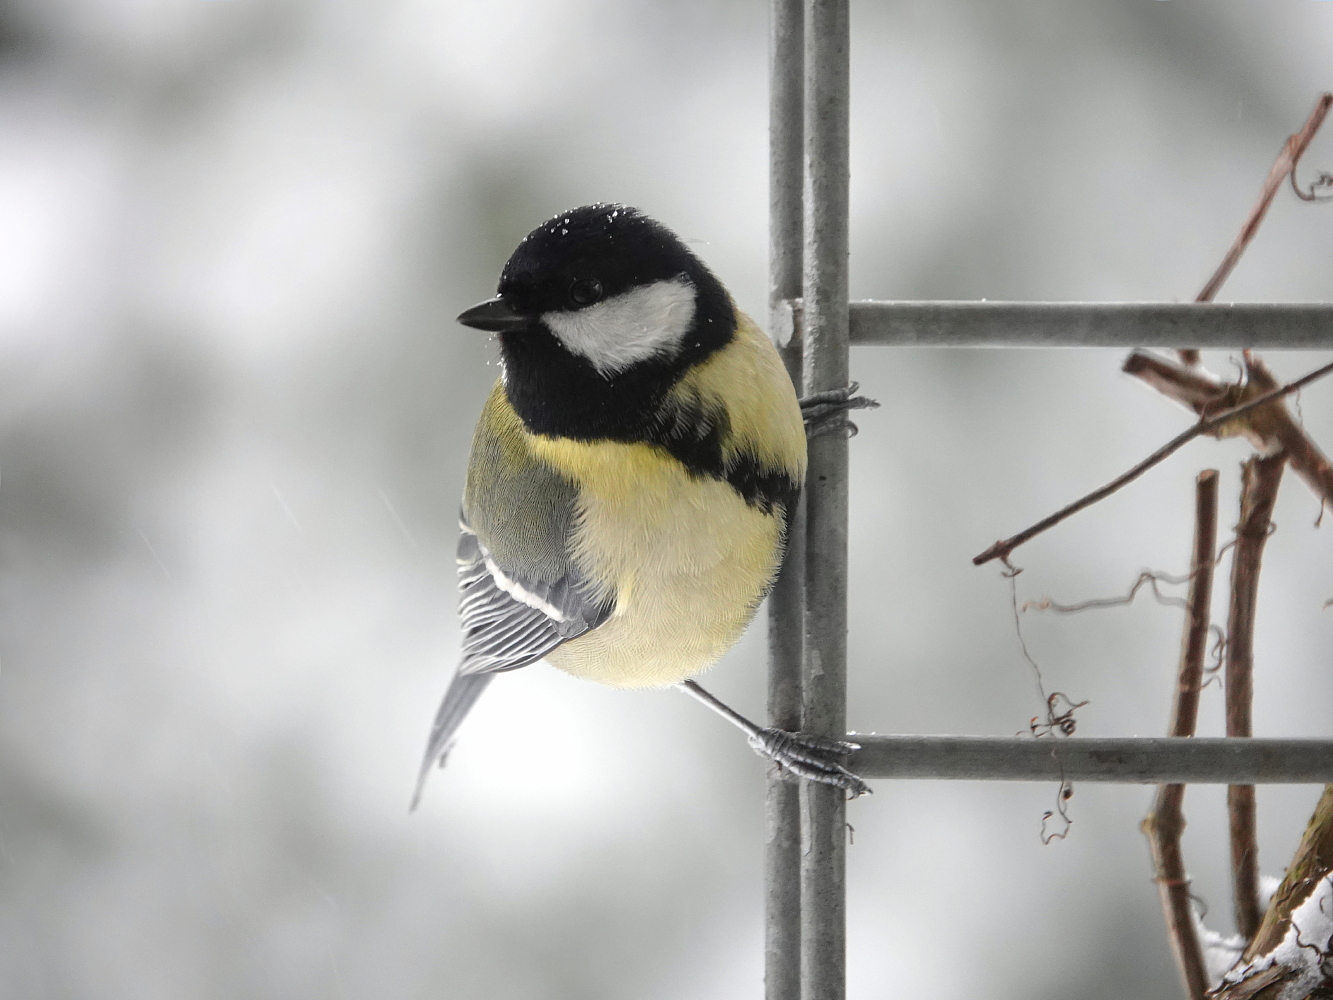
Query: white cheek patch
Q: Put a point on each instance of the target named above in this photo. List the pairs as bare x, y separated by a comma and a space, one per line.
634, 326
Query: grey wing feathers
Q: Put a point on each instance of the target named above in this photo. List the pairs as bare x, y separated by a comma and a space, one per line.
463, 692
509, 620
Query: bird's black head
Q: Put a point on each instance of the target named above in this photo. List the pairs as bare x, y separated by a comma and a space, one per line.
599, 311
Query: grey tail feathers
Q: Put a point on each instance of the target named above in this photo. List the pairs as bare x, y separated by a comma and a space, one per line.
464, 690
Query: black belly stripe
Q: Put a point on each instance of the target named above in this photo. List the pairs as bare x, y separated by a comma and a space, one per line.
762, 486
693, 435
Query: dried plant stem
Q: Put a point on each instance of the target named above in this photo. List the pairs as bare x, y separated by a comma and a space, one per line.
1002, 549
1275, 426
1260, 479
1193, 388
1185, 709
1244, 859
1165, 824
1269, 428
1283, 167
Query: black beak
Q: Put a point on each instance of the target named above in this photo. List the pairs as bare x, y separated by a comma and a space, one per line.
495, 316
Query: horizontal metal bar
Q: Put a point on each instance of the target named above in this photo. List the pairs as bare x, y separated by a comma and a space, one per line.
1136, 760
1093, 324
1268, 325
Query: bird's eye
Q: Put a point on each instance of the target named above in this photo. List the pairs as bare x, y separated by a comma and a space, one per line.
585, 292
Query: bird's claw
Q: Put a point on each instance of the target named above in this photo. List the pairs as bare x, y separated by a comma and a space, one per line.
826, 412
814, 758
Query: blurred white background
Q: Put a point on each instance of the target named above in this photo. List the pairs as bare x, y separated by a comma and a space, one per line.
233, 429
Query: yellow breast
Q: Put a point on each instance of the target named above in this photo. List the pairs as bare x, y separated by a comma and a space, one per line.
688, 559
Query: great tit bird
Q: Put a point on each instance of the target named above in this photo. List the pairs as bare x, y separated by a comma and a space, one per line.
631, 475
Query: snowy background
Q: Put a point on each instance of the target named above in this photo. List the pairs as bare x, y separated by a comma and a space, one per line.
234, 416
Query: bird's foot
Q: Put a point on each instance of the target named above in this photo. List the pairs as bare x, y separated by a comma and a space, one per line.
814, 758
826, 412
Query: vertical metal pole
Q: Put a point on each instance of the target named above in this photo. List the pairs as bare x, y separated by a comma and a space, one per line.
823, 809
786, 610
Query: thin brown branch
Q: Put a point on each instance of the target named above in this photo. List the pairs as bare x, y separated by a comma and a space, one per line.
1185, 710
1165, 824
1244, 834
1002, 549
1269, 428
1193, 388
1261, 477
1280, 430
1283, 167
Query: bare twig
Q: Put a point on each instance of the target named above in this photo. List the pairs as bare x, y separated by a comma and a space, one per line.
1268, 428
1283, 167
1002, 549
1185, 710
1280, 430
1193, 388
1165, 824
1260, 479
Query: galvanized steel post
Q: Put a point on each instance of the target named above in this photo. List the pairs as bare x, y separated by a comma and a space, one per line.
782, 846
825, 327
